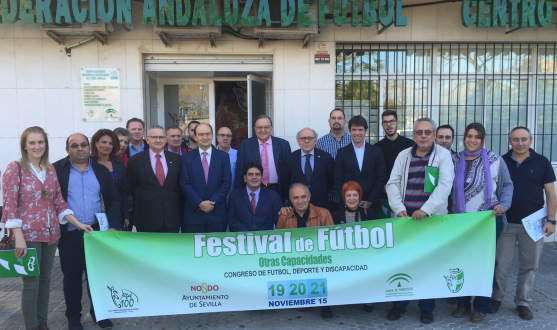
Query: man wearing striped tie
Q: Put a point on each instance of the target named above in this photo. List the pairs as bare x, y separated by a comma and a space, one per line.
205, 179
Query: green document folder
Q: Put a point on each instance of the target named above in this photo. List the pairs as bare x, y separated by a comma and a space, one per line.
431, 179
10, 266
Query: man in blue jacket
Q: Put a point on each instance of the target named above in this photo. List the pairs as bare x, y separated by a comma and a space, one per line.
310, 166
251, 208
205, 179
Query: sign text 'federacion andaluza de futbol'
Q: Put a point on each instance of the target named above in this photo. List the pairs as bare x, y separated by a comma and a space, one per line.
370, 261
482, 13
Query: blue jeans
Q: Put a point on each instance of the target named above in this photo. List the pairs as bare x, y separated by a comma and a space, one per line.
423, 304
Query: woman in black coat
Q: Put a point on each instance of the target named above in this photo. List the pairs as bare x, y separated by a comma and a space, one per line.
104, 149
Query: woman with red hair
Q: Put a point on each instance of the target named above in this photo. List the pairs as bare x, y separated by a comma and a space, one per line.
352, 211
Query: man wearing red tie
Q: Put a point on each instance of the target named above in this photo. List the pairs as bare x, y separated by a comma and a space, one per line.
205, 179
153, 181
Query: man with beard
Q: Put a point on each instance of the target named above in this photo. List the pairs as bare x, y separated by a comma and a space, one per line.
331, 143
445, 137
191, 142
393, 143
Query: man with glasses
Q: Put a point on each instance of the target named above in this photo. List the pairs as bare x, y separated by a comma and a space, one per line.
532, 176
265, 149
409, 196
82, 182
331, 143
363, 163
393, 143
206, 181
310, 166
224, 138
444, 138
153, 182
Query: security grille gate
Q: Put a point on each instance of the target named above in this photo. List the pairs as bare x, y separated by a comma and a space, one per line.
500, 85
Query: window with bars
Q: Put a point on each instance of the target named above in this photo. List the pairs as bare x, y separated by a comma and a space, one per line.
500, 85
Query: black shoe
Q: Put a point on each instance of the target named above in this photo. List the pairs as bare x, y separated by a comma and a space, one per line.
75, 324
426, 317
395, 313
368, 308
525, 313
105, 324
326, 313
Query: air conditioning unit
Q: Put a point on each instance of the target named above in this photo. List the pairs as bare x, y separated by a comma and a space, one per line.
194, 32
293, 31
78, 29
189, 32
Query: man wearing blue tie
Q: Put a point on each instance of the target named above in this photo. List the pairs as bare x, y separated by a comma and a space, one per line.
251, 208
205, 179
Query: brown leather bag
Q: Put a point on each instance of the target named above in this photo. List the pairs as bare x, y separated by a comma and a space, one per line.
5, 243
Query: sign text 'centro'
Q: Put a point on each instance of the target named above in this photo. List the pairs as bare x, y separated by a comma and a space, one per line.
347, 238
205, 13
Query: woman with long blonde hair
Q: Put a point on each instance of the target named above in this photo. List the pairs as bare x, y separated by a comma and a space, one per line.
33, 208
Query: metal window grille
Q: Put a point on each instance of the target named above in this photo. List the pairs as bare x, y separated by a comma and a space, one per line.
501, 85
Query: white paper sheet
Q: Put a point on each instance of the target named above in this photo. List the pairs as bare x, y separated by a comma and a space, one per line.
534, 224
103, 221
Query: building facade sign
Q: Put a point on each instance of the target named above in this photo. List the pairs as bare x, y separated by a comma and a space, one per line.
100, 89
197, 13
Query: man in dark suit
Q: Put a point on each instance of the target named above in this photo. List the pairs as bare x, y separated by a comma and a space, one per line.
252, 208
153, 181
83, 181
267, 150
310, 166
138, 144
205, 180
363, 163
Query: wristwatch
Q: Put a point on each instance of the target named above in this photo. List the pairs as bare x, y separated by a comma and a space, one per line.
552, 222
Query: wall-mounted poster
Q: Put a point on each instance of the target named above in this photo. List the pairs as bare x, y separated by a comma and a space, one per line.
232, 109
100, 90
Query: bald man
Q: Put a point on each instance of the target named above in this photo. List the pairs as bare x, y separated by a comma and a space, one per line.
310, 166
224, 138
82, 182
205, 179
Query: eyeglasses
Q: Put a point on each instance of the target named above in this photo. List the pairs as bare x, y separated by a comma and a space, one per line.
336, 118
225, 135
75, 145
306, 138
157, 137
260, 128
390, 122
427, 132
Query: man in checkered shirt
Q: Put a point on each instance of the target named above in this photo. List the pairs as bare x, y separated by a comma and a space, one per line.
331, 143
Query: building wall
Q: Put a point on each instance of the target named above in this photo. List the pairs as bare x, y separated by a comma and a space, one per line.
40, 85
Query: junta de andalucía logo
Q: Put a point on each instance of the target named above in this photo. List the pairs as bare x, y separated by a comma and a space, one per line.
455, 279
125, 299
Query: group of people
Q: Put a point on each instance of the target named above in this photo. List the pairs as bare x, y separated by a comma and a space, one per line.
162, 184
